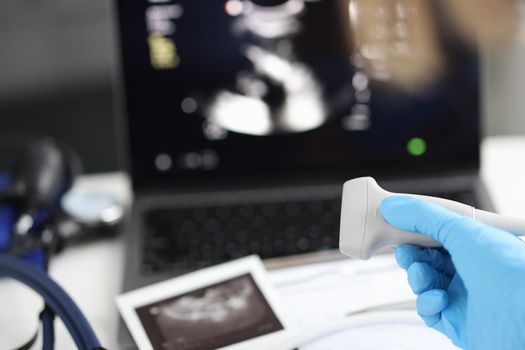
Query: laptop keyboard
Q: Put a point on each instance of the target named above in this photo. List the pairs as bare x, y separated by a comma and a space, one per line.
193, 237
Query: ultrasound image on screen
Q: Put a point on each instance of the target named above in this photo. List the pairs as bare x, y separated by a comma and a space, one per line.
273, 89
215, 316
248, 87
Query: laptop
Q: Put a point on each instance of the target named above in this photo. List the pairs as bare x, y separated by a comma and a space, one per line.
244, 118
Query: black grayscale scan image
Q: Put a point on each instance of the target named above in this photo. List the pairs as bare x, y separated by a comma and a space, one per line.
211, 317
276, 89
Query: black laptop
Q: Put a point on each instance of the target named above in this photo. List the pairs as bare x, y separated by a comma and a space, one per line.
244, 118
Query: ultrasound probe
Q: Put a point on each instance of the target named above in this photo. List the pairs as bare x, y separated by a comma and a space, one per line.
363, 229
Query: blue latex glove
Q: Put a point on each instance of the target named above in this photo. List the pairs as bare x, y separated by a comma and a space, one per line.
473, 291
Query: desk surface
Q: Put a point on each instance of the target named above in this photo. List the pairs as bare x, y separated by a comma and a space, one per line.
92, 273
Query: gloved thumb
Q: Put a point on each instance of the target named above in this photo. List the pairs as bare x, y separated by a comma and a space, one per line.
411, 214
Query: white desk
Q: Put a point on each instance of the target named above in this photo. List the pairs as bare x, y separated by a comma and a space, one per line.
92, 273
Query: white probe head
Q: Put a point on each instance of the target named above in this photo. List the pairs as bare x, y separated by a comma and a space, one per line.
363, 230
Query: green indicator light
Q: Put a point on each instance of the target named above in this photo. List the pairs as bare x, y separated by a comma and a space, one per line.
417, 146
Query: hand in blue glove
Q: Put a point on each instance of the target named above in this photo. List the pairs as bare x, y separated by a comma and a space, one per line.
473, 290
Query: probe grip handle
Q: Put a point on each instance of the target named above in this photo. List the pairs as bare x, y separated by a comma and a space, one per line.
397, 237
513, 225
394, 237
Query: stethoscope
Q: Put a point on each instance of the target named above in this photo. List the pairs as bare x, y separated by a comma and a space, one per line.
57, 303
28, 266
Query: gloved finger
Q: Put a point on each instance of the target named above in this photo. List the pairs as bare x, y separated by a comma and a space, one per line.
422, 277
407, 254
415, 215
430, 304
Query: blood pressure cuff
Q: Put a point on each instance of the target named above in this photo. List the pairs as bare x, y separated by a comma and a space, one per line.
7, 221
7, 217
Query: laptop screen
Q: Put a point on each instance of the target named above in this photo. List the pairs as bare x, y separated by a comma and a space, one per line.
230, 89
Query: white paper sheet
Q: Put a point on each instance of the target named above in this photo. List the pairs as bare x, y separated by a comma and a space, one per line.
318, 293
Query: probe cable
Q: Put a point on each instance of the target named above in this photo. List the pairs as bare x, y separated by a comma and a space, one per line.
401, 311
311, 334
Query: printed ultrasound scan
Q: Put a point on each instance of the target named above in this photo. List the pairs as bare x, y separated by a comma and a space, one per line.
211, 317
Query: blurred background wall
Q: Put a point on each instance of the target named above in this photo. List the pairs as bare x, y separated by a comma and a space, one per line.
57, 59
504, 89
